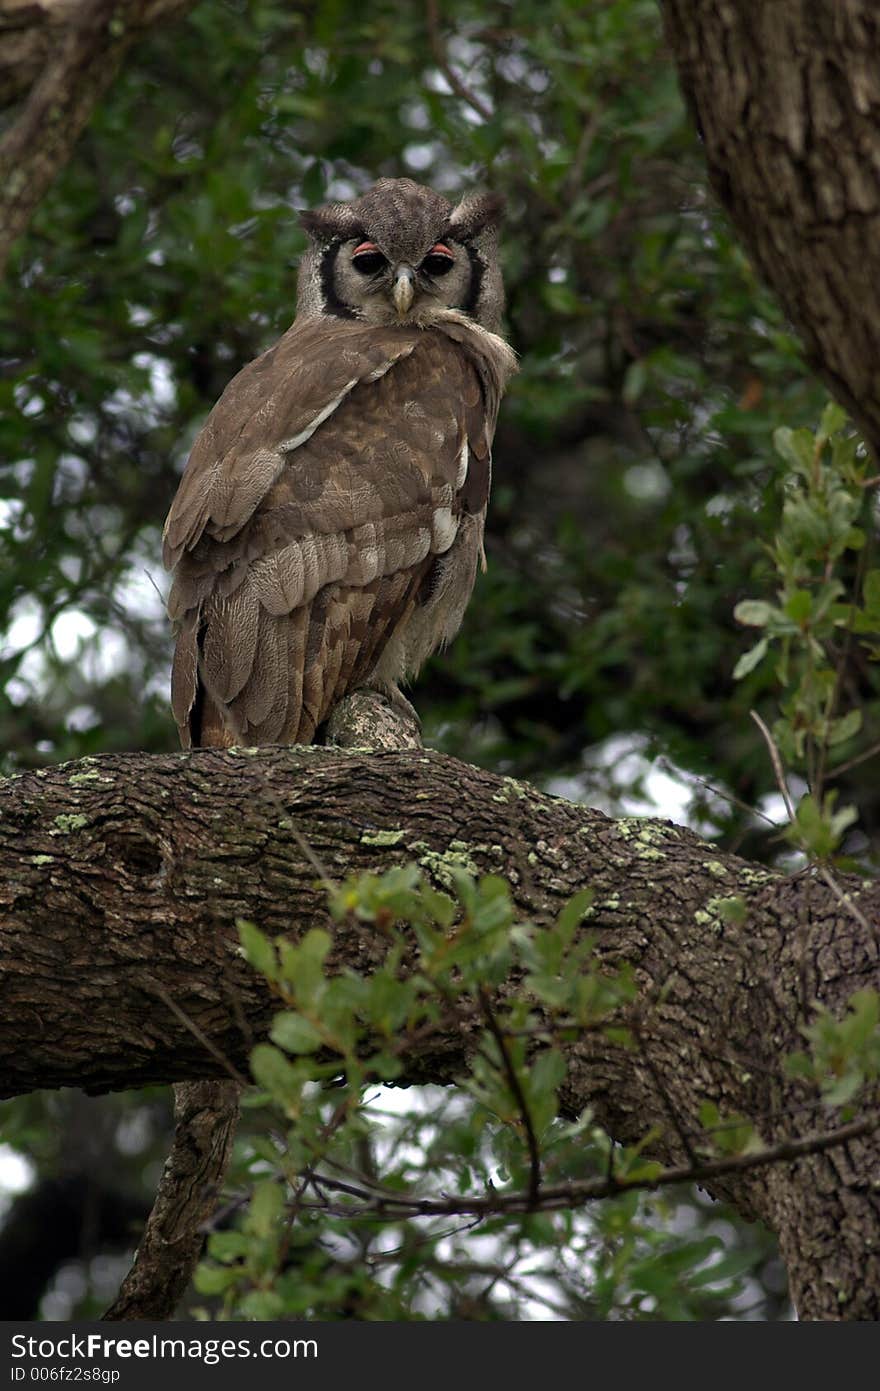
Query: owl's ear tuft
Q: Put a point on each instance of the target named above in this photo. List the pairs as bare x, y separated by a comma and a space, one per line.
333, 222
478, 212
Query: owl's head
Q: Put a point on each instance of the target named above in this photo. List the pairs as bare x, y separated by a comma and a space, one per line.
399, 253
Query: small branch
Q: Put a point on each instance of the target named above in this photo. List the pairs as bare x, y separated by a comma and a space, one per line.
844, 899
579, 1192
438, 48
519, 1097
871, 752
777, 764
667, 766
202, 1037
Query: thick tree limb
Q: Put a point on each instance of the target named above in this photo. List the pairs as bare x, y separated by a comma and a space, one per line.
67, 52
206, 1114
786, 97
121, 879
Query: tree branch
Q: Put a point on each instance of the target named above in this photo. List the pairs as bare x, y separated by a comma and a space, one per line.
579, 1192
70, 52
121, 879
206, 1115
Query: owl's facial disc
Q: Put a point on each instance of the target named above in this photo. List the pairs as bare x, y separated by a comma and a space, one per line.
391, 281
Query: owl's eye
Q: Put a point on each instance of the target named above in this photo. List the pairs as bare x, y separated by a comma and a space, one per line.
367, 258
439, 260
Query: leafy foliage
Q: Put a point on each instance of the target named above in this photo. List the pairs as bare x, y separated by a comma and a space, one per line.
845, 1053
352, 1209
346, 1210
818, 619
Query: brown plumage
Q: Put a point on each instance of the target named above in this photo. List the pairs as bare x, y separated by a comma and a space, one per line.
327, 529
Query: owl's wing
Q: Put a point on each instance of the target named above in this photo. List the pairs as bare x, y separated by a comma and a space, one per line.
328, 478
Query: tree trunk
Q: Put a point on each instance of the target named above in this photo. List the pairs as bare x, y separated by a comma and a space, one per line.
121, 879
786, 96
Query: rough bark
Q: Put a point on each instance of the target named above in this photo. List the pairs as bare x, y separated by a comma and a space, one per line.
121, 879
206, 1115
786, 96
64, 54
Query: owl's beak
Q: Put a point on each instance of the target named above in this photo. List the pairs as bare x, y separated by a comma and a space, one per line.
404, 289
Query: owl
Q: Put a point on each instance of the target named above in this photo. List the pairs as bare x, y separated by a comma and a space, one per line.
328, 526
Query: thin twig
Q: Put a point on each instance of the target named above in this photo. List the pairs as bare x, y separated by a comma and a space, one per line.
194, 1029
667, 766
665, 1098
578, 1192
853, 762
844, 899
777, 763
438, 48
519, 1096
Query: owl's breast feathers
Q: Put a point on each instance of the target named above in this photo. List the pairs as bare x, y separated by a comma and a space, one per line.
327, 527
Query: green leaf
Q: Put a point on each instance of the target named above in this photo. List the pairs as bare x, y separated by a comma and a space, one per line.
302, 965
844, 1089
871, 593
265, 1208
227, 1246
755, 612
214, 1279
799, 1064
833, 419
796, 447
548, 1071
845, 728
863, 1016
551, 990
818, 829
258, 949
749, 660
634, 381
799, 606
842, 820
730, 1267
272, 1071
575, 910
262, 1305
294, 1034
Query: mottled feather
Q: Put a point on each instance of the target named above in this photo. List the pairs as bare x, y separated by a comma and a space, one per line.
331, 478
